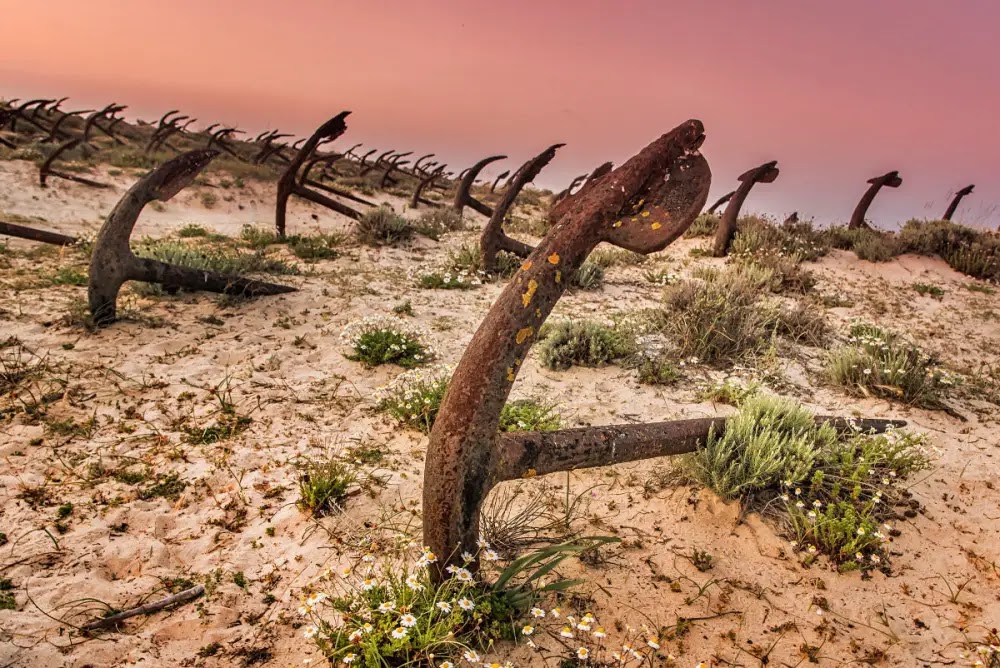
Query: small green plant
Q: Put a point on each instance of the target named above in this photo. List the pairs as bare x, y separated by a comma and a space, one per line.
703, 226
393, 614
445, 280
386, 340
702, 560
803, 322
769, 441
382, 227
529, 415
258, 238
931, 290
433, 223
590, 276
721, 317
191, 230
315, 247
403, 308
69, 276
468, 259
167, 486
7, 601
615, 257
323, 486
414, 397
878, 362
874, 246
833, 491
659, 370
209, 199
220, 260
979, 287
661, 276
582, 343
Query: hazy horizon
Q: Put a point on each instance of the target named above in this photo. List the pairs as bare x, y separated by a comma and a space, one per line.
836, 94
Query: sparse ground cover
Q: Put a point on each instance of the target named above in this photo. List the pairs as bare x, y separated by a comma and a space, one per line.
255, 449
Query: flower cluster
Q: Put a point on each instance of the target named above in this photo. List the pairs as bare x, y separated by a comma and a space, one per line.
661, 276
387, 340
414, 397
879, 362
449, 279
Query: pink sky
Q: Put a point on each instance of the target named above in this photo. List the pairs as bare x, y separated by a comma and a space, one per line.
837, 92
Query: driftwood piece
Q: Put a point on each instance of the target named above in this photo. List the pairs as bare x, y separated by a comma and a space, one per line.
955, 200
147, 609
289, 185
45, 170
463, 196
493, 239
719, 202
766, 173
30, 233
113, 263
888, 180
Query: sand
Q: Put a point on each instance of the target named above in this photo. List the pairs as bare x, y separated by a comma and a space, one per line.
144, 380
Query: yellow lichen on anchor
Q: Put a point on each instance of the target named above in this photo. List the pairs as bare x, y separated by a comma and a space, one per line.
524, 334
526, 297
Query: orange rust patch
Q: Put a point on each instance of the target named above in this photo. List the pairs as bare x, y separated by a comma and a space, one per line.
526, 297
554, 258
656, 226
526, 266
524, 334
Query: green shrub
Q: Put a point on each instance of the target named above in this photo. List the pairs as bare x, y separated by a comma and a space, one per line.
659, 370
386, 340
835, 491
803, 322
721, 317
323, 486
394, 614
878, 362
770, 441
448, 281
226, 261
875, 246
528, 415
614, 257
927, 289
729, 392
582, 343
589, 276
797, 241
468, 259
382, 227
258, 238
209, 199
69, 276
192, 230
704, 225
414, 397
315, 247
435, 222
661, 276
